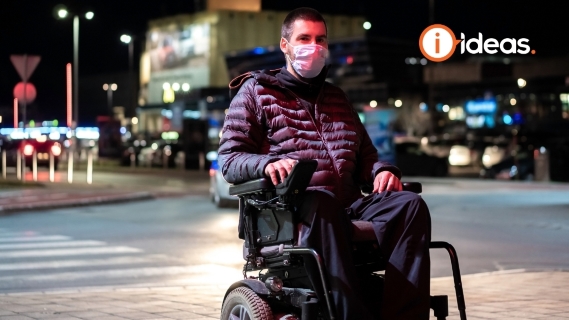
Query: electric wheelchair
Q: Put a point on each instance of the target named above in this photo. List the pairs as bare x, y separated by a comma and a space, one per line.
267, 224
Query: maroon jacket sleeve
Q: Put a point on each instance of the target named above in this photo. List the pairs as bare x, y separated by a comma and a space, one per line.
369, 163
243, 148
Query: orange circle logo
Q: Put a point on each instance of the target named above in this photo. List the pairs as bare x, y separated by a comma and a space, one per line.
437, 42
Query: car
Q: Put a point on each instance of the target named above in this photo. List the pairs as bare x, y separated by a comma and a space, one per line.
518, 167
219, 188
413, 161
165, 154
494, 154
41, 146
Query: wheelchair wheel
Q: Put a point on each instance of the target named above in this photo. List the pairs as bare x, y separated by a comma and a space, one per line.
244, 304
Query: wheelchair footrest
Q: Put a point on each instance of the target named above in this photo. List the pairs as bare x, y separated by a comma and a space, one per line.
439, 304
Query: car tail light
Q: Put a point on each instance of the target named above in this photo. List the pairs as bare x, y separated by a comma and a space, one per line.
28, 150
211, 172
56, 150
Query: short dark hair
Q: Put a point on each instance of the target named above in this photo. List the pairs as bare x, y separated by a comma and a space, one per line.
303, 13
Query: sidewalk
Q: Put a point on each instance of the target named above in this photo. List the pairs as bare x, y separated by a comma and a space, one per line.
514, 294
109, 186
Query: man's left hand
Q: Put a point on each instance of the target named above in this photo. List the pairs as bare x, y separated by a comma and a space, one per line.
386, 181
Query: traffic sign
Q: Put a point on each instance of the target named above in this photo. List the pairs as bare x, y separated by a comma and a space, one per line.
25, 65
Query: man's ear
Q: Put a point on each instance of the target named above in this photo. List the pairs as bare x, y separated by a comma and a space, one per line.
283, 45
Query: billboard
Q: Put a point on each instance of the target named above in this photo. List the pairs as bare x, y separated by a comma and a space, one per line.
178, 54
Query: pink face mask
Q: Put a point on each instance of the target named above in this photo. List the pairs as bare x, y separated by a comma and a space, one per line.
309, 59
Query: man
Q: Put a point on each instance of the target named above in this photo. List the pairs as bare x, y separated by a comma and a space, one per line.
278, 117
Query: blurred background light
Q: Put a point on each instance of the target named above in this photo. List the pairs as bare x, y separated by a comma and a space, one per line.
126, 38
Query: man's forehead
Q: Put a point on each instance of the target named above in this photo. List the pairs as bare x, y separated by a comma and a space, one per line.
308, 27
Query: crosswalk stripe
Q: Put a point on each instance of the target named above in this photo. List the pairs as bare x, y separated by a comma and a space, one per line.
210, 271
80, 263
18, 234
62, 244
66, 252
35, 238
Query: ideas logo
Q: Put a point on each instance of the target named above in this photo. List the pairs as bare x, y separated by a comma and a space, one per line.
438, 43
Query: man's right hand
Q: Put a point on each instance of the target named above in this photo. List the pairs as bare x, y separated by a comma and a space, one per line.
279, 170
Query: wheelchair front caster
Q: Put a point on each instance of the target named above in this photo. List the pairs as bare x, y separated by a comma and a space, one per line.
244, 304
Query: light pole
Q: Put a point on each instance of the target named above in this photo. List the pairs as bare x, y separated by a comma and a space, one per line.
130, 41
110, 87
62, 13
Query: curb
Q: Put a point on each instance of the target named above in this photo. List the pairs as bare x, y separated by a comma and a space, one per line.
58, 204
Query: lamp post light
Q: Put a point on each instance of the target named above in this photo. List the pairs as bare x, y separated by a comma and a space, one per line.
110, 87
62, 13
129, 40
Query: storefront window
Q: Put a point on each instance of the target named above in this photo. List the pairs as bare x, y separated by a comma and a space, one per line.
564, 97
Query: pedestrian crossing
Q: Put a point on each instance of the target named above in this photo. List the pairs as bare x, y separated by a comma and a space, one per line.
32, 260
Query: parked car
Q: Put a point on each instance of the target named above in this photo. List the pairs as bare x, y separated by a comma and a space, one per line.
494, 154
219, 188
413, 161
42, 146
518, 167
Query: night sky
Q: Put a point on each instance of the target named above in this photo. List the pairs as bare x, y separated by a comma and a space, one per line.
29, 26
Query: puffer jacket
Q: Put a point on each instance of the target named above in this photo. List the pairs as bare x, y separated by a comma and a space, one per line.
267, 122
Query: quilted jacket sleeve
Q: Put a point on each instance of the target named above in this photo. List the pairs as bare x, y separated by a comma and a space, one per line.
243, 148
369, 163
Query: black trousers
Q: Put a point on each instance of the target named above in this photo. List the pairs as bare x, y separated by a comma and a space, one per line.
402, 224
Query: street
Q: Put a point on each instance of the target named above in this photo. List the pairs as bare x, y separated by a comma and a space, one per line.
186, 241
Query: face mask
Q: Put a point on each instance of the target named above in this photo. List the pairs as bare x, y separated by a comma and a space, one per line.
309, 59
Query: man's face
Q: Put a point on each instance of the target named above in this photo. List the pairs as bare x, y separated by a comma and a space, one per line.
305, 32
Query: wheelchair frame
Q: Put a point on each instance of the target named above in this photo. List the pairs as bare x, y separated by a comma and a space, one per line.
267, 224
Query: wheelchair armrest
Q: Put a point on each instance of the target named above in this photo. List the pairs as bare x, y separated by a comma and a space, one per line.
297, 181
414, 187
250, 187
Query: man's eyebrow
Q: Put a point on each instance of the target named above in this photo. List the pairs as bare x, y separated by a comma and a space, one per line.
308, 35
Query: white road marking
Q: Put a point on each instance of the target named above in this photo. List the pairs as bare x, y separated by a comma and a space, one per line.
208, 272
80, 263
67, 252
61, 244
33, 238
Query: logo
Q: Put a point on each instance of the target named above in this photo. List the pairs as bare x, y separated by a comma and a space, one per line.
438, 43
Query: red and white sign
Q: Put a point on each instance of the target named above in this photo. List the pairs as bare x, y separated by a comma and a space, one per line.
25, 65
30, 92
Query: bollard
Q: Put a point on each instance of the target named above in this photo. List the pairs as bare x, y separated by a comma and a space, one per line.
165, 160
132, 160
202, 161
89, 167
70, 166
51, 168
4, 164
18, 165
35, 166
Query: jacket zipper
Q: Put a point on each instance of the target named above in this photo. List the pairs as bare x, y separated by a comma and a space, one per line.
318, 130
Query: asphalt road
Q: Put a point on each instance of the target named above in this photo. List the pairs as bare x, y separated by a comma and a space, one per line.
186, 240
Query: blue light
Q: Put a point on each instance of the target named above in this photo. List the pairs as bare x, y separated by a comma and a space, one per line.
123, 130
259, 50
480, 106
507, 119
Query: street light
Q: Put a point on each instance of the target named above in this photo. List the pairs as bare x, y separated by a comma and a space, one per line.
129, 40
110, 87
62, 13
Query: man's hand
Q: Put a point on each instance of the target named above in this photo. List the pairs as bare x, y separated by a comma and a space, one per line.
279, 170
386, 181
